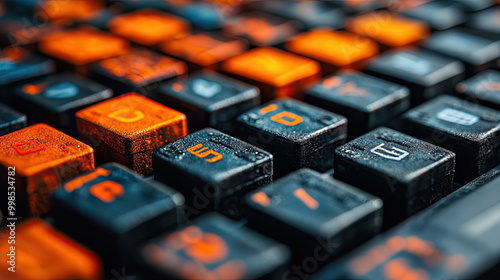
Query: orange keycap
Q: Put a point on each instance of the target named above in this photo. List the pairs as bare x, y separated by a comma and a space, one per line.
67, 11
203, 50
127, 128
83, 45
389, 29
42, 252
275, 72
148, 27
334, 49
41, 157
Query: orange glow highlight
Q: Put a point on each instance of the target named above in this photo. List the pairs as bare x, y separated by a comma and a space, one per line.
67, 11
80, 181
200, 152
287, 118
261, 198
306, 198
107, 191
268, 108
34, 89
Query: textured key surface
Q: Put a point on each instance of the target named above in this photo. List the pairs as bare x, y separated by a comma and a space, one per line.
484, 88
10, 120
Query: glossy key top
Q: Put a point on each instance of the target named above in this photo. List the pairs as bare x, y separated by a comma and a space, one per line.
333, 49
38, 158
213, 170
127, 128
471, 131
297, 134
111, 209
483, 88
320, 215
275, 72
213, 247
439, 15
39, 251
11, 120
407, 173
148, 27
65, 12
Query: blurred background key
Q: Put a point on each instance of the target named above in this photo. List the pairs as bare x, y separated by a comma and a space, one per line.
11, 120
483, 88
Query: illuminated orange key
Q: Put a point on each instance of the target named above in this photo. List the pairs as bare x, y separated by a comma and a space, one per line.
276, 73
127, 128
149, 27
203, 50
334, 49
66, 11
43, 157
82, 46
42, 252
389, 29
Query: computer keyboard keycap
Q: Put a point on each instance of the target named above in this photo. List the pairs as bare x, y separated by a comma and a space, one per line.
483, 88
140, 70
456, 238
55, 99
366, 101
439, 15
469, 130
11, 120
476, 52
213, 170
40, 251
333, 49
209, 99
425, 73
66, 12
213, 247
127, 128
407, 173
314, 211
148, 27
487, 21
37, 159
297, 134
275, 72
389, 29
112, 209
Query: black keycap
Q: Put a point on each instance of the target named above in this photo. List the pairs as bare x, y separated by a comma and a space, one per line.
213, 170
366, 101
140, 71
471, 131
407, 173
209, 99
260, 29
426, 74
320, 215
310, 14
202, 14
456, 238
55, 99
484, 88
297, 134
471, 6
478, 53
355, 7
10, 120
438, 15
213, 247
111, 209
487, 21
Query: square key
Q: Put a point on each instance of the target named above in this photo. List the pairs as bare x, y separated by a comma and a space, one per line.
213, 170
469, 130
476, 52
407, 173
314, 210
111, 209
55, 99
260, 29
66, 12
209, 99
139, 70
275, 72
439, 15
10, 120
83, 45
127, 128
366, 101
43, 252
203, 50
148, 27
487, 21
333, 49
425, 73
483, 88
213, 247
297, 134
35, 160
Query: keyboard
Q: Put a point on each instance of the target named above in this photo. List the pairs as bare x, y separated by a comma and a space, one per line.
239, 139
